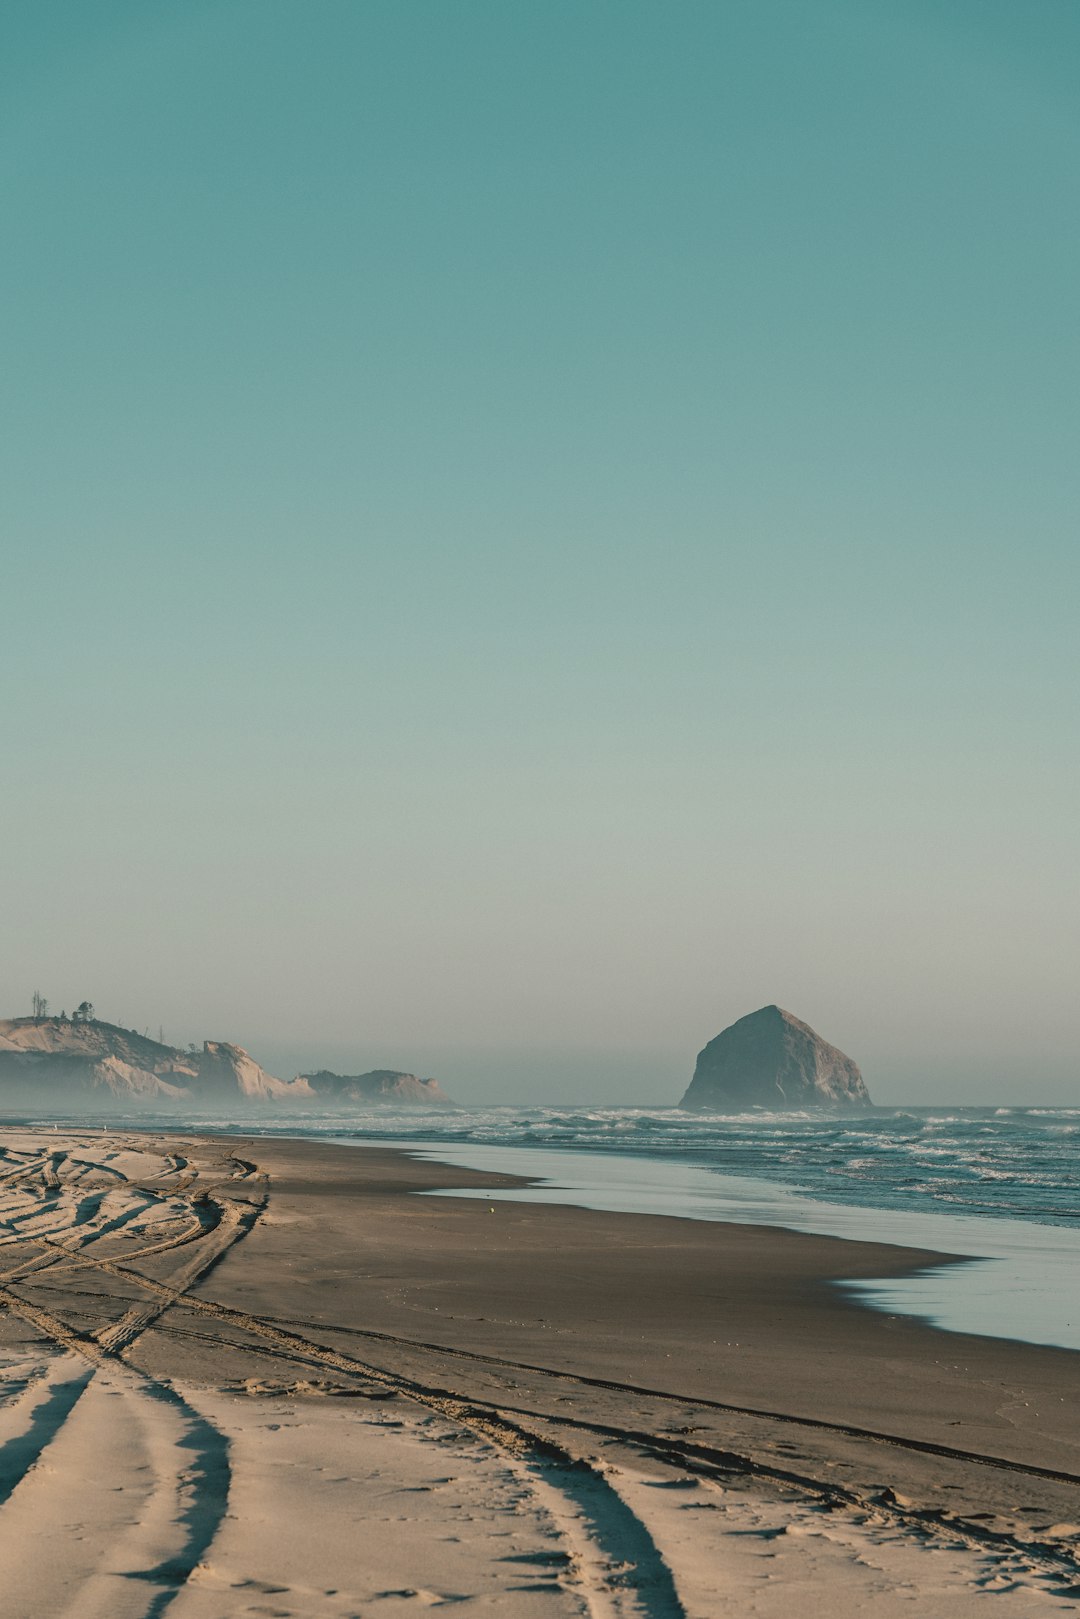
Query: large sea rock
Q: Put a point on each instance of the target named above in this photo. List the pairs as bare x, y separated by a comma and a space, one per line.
770, 1059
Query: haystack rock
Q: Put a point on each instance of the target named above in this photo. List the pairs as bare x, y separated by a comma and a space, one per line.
381, 1085
773, 1060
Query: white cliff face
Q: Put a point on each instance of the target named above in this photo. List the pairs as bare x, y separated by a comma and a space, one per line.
123, 1079
91, 1038
771, 1059
56, 1061
54, 1058
229, 1068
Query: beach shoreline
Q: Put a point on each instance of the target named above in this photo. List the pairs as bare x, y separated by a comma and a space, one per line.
570, 1348
1013, 1278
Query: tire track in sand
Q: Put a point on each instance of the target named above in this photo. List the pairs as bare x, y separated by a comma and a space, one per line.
67, 1427
613, 1564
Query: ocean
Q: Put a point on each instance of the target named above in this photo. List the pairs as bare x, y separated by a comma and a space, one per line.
1003, 1163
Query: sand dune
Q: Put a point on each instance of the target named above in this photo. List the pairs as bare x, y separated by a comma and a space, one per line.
197, 1418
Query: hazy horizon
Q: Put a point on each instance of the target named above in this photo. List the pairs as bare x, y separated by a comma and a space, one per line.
636, 1075
532, 532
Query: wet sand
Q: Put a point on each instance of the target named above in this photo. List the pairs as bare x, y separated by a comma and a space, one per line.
264, 1377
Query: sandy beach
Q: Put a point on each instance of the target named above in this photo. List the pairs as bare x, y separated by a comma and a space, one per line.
263, 1377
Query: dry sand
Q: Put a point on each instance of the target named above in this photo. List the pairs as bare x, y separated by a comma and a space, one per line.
264, 1378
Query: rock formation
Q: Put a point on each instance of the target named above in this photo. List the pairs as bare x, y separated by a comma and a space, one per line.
59, 1062
50, 1062
227, 1071
773, 1060
69, 1037
381, 1085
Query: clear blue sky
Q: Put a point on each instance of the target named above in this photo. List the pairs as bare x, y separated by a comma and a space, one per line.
533, 529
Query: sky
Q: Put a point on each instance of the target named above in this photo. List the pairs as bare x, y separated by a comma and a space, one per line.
530, 531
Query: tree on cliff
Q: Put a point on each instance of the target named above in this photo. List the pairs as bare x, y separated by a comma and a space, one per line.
83, 1013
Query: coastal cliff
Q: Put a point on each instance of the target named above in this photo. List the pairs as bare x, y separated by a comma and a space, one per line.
380, 1085
58, 1062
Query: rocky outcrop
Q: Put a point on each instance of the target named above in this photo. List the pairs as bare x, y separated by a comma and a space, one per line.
54, 1080
227, 1071
124, 1081
64, 1062
70, 1037
56, 1061
381, 1085
773, 1060
59, 1062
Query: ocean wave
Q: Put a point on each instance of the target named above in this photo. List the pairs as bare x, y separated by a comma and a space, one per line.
1005, 1162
